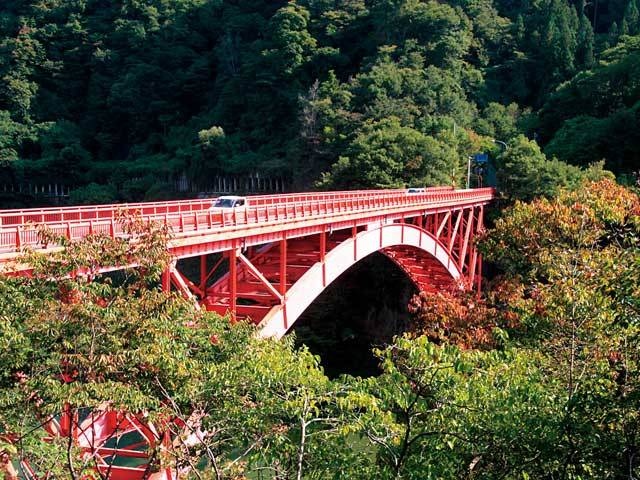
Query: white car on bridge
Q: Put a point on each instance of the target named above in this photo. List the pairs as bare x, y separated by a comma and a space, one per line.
228, 203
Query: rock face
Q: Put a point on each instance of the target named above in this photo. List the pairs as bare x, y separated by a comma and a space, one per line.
362, 309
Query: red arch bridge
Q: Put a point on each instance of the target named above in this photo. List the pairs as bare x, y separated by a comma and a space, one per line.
267, 261
277, 254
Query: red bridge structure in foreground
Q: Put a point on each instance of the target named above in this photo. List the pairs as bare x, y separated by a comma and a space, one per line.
269, 260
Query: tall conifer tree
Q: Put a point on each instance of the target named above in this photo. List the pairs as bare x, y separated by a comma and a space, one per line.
631, 19
585, 43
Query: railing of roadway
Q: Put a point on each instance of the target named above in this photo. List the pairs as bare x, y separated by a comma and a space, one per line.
19, 228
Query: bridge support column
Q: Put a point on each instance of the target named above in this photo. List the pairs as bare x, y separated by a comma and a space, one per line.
464, 244
478, 267
451, 234
323, 252
203, 273
283, 266
233, 281
354, 235
166, 280
283, 280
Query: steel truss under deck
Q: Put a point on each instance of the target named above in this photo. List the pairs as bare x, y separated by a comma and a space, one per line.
253, 282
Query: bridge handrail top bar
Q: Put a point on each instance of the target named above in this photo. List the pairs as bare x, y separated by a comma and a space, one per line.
283, 198
131, 205
417, 199
279, 198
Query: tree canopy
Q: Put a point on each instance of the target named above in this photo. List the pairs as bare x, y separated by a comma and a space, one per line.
120, 94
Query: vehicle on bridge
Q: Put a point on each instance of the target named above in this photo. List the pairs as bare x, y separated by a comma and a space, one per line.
439, 188
229, 202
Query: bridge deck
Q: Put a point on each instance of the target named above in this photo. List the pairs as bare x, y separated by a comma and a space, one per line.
196, 229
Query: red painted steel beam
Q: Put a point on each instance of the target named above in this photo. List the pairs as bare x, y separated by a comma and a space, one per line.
453, 233
283, 266
233, 281
183, 284
203, 274
467, 239
259, 276
323, 252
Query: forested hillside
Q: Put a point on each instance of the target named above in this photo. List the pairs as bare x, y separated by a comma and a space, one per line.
324, 93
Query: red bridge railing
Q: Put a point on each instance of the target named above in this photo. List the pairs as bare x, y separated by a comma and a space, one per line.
18, 228
12, 217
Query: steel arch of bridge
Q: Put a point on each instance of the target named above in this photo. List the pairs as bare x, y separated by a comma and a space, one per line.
273, 283
405, 244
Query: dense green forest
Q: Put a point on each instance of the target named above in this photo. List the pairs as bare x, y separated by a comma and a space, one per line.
118, 97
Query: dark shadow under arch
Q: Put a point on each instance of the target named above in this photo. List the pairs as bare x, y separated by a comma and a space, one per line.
362, 309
